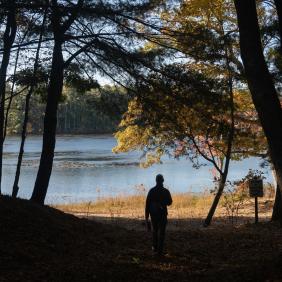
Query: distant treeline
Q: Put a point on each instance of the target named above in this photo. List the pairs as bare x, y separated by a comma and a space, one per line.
97, 111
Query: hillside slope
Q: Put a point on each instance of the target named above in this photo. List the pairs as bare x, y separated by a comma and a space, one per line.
43, 244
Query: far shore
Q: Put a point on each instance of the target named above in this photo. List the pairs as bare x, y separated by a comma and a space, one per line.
65, 134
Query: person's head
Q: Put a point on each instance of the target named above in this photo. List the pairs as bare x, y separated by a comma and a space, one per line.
159, 179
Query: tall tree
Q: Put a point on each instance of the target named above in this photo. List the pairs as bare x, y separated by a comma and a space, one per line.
100, 32
277, 207
261, 85
206, 34
26, 110
54, 92
8, 40
195, 117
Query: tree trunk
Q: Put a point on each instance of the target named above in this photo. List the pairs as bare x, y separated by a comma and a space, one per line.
8, 40
11, 95
59, 26
50, 122
26, 114
216, 199
224, 173
223, 176
260, 83
276, 213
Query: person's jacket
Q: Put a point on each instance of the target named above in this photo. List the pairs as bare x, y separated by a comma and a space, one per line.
157, 201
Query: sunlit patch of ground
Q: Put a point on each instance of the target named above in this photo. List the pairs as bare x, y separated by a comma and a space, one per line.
187, 210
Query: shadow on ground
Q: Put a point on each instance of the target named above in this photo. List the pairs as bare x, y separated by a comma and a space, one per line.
179, 224
43, 244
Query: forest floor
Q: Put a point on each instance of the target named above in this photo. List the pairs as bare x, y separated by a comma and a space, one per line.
45, 244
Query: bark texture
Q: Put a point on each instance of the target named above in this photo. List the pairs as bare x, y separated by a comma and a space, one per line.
260, 83
50, 124
276, 213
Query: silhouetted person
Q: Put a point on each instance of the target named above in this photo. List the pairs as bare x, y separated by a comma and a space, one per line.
157, 201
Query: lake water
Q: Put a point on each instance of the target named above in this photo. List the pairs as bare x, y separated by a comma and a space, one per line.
85, 169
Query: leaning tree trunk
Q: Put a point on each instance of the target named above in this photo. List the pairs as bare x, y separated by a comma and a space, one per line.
277, 207
26, 114
11, 95
277, 201
216, 199
260, 83
223, 176
224, 173
50, 123
8, 40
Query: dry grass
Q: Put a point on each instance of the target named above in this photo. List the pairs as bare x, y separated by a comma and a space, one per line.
185, 206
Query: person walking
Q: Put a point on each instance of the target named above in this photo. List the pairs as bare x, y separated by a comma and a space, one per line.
157, 201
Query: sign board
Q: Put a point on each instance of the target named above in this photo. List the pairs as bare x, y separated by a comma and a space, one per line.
255, 187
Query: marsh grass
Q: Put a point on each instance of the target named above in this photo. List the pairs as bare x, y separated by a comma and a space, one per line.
184, 205
189, 206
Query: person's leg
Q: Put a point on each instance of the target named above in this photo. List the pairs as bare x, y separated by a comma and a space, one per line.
155, 225
162, 227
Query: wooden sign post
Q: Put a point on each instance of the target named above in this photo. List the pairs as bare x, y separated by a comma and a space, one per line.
256, 190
